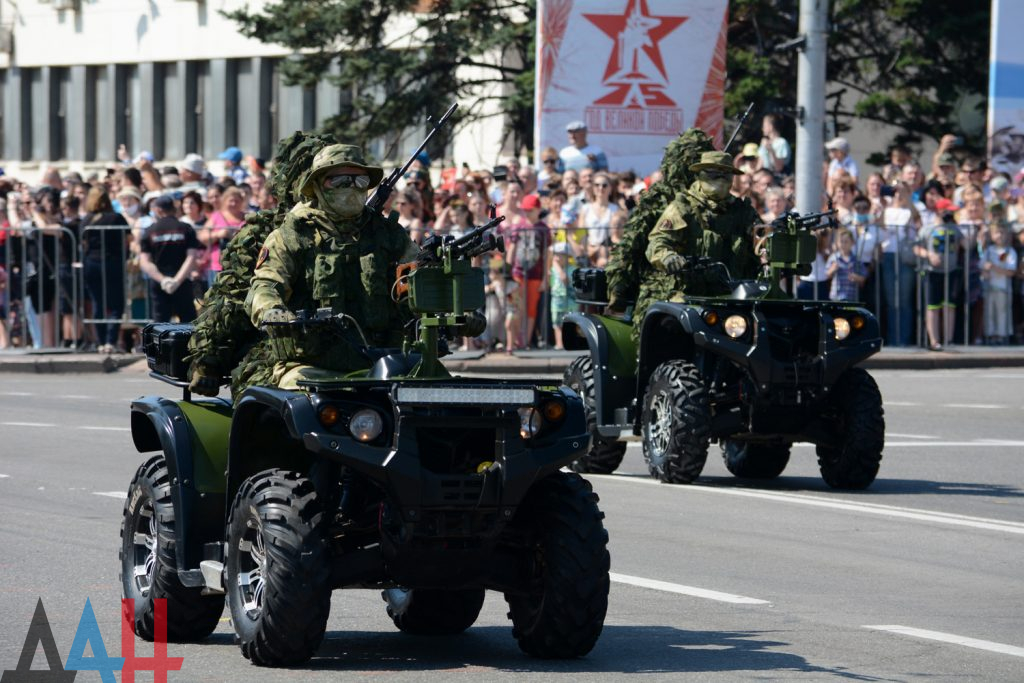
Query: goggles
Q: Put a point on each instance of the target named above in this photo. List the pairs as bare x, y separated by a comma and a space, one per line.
358, 181
716, 175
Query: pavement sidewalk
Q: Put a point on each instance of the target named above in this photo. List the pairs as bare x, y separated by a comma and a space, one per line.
538, 362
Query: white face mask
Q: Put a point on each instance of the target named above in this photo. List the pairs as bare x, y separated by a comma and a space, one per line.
131, 210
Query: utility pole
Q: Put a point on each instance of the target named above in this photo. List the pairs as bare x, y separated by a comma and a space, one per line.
810, 101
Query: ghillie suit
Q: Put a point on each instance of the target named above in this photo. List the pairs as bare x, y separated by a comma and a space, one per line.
225, 340
628, 266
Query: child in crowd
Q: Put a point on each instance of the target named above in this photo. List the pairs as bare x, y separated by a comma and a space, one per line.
495, 303
847, 272
998, 265
563, 298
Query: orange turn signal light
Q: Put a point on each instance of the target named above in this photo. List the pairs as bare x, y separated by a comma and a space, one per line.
553, 411
710, 317
857, 323
329, 416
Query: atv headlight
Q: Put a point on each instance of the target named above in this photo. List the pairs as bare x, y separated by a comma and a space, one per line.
842, 328
735, 326
366, 425
529, 422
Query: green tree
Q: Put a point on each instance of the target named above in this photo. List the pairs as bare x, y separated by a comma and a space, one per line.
403, 60
914, 64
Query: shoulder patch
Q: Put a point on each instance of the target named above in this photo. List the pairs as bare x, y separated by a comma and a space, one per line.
264, 253
665, 224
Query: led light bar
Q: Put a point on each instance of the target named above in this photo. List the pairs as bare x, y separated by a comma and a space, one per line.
494, 396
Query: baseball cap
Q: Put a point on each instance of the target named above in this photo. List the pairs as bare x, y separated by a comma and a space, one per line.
999, 183
576, 125
560, 248
750, 149
943, 205
838, 143
193, 163
143, 156
947, 159
232, 154
164, 202
529, 202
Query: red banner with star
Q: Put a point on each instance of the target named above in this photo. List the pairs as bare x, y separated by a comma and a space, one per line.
635, 72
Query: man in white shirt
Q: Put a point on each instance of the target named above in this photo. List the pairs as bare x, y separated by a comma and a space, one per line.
578, 154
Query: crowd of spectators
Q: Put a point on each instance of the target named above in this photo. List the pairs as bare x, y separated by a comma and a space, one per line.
932, 250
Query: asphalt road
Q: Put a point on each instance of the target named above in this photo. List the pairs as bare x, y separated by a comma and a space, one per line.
917, 578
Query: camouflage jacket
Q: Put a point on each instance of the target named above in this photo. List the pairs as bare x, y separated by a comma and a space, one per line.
223, 333
309, 263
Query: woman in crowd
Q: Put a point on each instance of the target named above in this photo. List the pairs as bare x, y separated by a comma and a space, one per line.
221, 227
104, 245
843, 192
900, 226
775, 204
596, 217
972, 222
193, 212
409, 206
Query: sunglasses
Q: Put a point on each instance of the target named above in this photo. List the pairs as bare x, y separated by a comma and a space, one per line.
359, 181
716, 175
601, 185
550, 161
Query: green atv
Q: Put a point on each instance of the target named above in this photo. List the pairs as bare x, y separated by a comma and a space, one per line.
427, 487
752, 369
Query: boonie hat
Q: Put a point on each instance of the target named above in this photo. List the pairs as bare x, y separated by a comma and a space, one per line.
130, 191
715, 161
334, 156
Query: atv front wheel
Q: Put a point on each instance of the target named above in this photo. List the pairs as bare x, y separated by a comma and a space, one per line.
424, 612
562, 613
755, 460
278, 578
605, 455
856, 415
149, 563
676, 423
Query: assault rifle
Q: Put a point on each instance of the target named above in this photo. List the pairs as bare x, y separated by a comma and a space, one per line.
380, 196
739, 127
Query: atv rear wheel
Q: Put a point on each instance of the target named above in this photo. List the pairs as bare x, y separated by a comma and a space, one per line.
676, 423
605, 455
278, 578
149, 561
755, 460
563, 613
856, 415
424, 612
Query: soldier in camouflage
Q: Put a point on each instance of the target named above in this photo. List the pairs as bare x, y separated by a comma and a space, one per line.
704, 220
628, 266
330, 252
225, 340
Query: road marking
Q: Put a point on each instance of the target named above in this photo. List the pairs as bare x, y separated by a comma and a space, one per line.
16, 393
27, 424
5, 476
911, 436
111, 494
108, 429
836, 504
79, 396
900, 403
979, 443
685, 590
951, 638
981, 406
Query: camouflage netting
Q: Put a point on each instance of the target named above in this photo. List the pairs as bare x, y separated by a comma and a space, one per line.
224, 340
628, 265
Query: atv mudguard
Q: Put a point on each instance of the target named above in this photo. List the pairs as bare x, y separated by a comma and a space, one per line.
193, 436
613, 354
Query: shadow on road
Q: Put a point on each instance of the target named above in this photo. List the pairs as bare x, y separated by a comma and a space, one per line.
621, 649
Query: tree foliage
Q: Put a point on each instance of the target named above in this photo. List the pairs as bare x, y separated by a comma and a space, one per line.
914, 64
402, 61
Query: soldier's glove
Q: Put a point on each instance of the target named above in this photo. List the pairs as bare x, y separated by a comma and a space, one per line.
204, 384
675, 264
475, 324
276, 315
282, 338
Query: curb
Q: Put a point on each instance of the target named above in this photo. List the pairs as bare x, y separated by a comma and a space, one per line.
55, 364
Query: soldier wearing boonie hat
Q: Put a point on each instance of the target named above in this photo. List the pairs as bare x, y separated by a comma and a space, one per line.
333, 252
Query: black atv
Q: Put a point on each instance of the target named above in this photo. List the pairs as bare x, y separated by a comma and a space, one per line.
752, 369
427, 487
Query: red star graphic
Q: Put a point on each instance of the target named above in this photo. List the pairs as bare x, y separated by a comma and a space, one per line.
655, 28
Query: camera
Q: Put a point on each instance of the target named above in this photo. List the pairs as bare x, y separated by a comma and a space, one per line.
500, 173
888, 191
